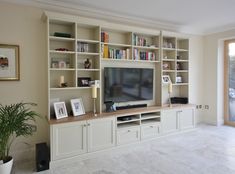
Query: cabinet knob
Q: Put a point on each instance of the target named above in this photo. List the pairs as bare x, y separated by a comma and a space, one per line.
128, 130
88, 124
151, 126
84, 125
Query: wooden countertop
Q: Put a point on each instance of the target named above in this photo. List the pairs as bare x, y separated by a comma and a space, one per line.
124, 112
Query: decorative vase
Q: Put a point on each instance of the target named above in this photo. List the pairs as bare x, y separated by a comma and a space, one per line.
5, 168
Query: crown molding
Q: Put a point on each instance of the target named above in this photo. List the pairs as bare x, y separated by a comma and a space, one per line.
102, 14
85, 11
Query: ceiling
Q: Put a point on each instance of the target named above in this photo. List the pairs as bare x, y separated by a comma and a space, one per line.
188, 16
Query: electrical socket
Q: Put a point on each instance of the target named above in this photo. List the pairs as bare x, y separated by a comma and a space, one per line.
206, 106
199, 106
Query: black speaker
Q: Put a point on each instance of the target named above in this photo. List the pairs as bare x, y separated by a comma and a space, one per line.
179, 100
42, 157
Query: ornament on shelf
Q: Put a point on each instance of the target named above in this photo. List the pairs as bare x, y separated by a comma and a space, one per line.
87, 64
62, 83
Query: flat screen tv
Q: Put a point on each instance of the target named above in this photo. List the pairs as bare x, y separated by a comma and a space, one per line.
128, 84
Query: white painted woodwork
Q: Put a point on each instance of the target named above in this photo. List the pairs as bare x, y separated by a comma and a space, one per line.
187, 119
128, 135
169, 121
101, 134
177, 119
68, 140
150, 130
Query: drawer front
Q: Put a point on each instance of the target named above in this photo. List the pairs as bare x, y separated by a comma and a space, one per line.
125, 136
150, 131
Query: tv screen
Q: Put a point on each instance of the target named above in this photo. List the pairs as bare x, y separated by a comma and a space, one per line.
128, 84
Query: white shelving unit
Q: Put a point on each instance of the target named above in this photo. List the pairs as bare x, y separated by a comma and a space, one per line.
175, 63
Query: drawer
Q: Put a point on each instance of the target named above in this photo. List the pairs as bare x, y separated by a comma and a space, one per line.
150, 131
128, 135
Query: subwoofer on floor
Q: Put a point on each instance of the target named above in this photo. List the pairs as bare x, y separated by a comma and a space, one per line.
42, 157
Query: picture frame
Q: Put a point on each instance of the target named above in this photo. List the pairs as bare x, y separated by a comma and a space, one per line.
60, 110
166, 79
166, 66
9, 62
83, 81
179, 79
77, 107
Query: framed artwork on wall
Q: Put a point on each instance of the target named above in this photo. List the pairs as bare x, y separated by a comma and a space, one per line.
9, 62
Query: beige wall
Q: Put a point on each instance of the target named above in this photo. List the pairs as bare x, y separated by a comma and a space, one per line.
23, 26
196, 74
214, 81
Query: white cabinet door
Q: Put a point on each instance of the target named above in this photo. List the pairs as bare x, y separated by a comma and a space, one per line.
128, 135
68, 139
187, 119
101, 134
170, 121
150, 131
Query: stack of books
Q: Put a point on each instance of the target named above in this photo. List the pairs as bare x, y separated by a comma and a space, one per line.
144, 55
139, 40
104, 37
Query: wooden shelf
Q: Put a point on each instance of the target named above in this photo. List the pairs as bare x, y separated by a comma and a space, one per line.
69, 88
116, 44
88, 69
170, 60
88, 53
146, 48
170, 49
62, 69
88, 41
144, 61
183, 50
55, 38
62, 52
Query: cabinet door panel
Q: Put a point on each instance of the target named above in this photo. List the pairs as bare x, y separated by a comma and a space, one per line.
187, 119
101, 134
170, 121
129, 135
68, 140
150, 131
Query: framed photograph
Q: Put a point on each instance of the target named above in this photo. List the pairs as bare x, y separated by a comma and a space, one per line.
60, 110
166, 66
166, 79
9, 62
83, 81
178, 79
77, 107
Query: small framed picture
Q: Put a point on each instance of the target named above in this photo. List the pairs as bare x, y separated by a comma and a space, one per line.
166, 66
178, 79
9, 62
60, 110
62, 64
83, 81
166, 79
77, 107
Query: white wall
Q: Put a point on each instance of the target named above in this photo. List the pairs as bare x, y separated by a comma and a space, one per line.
23, 26
196, 74
214, 76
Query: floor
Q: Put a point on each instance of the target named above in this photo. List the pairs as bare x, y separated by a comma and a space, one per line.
206, 150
